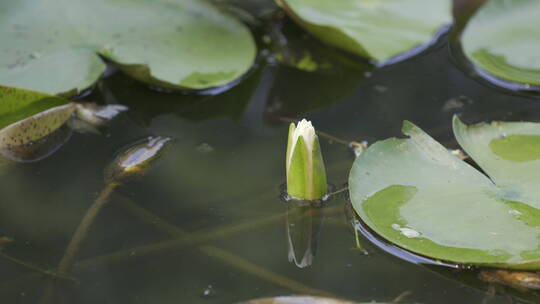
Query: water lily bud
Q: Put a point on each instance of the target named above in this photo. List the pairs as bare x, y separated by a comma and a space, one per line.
136, 160
306, 175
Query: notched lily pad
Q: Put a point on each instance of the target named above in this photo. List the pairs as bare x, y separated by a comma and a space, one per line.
419, 196
502, 40
382, 30
177, 44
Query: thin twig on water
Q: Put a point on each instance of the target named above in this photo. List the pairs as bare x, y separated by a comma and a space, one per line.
339, 191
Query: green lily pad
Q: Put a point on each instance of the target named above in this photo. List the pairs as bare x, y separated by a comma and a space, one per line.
417, 195
54, 46
502, 39
377, 29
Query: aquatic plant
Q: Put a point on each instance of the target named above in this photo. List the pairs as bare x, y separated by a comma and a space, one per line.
306, 175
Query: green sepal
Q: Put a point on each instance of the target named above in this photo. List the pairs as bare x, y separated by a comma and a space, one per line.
320, 187
297, 176
292, 127
304, 180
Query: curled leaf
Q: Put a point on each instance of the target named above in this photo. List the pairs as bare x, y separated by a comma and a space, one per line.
37, 136
135, 160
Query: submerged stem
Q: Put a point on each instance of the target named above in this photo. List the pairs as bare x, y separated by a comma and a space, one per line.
143, 251
82, 231
35, 268
182, 241
222, 255
79, 236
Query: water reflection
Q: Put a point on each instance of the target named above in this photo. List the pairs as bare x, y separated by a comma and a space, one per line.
304, 223
392, 249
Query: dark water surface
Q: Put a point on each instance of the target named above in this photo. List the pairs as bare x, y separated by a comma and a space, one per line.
219, 186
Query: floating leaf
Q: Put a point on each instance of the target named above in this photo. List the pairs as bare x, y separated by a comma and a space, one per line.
503, 39
177, 44
416, 194
377, 29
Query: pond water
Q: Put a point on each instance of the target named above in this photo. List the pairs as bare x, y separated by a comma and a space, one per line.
207, 223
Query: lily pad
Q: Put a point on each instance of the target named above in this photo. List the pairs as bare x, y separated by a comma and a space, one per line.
502, 40
54, 46
378, 29
417, 195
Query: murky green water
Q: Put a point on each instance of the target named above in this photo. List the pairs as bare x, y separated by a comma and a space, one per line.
216, 191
